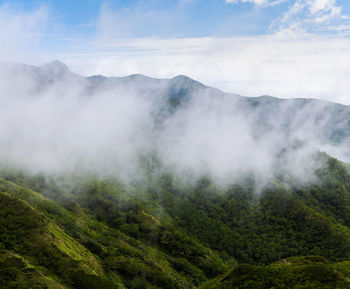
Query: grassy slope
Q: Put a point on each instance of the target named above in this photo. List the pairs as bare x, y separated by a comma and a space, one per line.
26, 231
93, 249
16, 271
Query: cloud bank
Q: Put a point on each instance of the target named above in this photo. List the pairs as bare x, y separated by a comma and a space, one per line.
58, 123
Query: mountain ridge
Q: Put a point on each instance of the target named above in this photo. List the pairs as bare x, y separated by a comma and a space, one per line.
59, 68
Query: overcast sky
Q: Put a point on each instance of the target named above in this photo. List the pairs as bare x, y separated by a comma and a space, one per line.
285, 48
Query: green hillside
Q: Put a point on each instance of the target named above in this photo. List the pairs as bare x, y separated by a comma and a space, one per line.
95, 233
296, 272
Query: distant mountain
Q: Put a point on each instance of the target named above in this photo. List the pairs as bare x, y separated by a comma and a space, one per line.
314, 119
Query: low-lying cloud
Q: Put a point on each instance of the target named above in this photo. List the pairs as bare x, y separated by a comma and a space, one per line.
57, 123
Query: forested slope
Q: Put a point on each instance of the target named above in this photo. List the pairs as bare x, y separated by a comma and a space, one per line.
104, 234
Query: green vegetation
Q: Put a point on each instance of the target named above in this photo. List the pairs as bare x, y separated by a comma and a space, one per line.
304, 272
105, 244
17, 272
102, 234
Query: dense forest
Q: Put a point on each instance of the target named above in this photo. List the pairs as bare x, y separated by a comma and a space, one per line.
98, 233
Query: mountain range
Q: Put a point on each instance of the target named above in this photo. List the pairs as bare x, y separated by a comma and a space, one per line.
208, 189
331, 119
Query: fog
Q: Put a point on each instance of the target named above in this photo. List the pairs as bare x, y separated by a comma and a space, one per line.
57, 123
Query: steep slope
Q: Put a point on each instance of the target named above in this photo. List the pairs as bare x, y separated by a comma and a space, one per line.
286, 219
141, 252
16, 272
27, 232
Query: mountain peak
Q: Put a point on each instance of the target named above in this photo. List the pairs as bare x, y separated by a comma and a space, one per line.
183, 78
56, 68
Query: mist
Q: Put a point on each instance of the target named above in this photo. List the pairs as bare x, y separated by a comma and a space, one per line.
57, 123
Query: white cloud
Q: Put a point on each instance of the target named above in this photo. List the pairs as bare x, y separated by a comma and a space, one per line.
304, 15
293, 65
63, 126
309, 15
278, 65
21, 31
323, 6
258, 2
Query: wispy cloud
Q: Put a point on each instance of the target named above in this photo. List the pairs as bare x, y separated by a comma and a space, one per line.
135, 21
258, 2
279, 65
310, 15
305, 15
86, 25
21, 30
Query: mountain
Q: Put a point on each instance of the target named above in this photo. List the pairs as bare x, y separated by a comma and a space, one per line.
297, 115
225, 191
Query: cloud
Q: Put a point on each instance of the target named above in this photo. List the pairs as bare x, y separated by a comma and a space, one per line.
258, 2
324, 6
60, 128
280, 65
21, 31
55, 123
309, 15
142, 19
305, 15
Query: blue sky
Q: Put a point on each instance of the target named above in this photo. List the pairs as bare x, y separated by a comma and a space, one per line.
286, 48
80, 19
